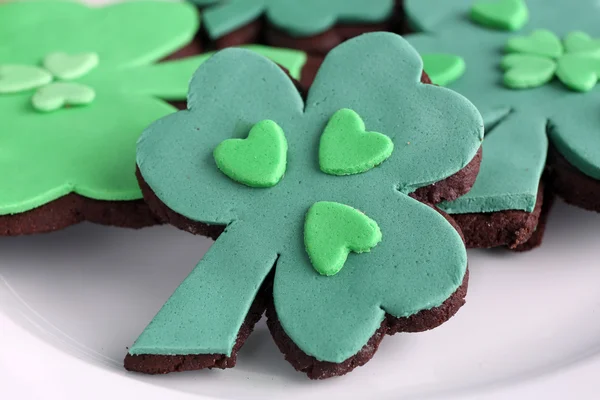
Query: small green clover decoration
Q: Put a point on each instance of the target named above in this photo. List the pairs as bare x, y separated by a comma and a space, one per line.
51, 96
259, 159
535, 60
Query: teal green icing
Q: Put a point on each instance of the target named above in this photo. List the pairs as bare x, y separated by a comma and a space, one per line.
420, 264
575, 132
297, 18
514, 156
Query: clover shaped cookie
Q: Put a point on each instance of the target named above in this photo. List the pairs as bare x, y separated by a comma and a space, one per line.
309, 25
529, 86
77, 87
315, 197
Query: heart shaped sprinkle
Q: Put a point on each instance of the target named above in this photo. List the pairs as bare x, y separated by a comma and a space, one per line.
526, 71
582, 43
509, 15
443, 69
67, 67
540, 43
346, 148
60, 94
578, 72
19, 78
332, 231
257, 161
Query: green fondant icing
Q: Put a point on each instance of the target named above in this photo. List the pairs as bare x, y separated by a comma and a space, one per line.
332, 231
91, 150
540, 43
19, 78
510, 15
578, 71
297, 18
70, 66
346, 148
581, 43
62, 94
256, 161
509, 176
525, 71
330, 318
443, 69
573, 129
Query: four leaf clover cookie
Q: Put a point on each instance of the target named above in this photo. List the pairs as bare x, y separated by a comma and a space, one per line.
77, 87
317, 202
529, 86
309, 25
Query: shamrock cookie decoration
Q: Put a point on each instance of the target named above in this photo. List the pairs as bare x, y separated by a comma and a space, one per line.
309, 25
325, 223
534, 61
505, 204
74, 104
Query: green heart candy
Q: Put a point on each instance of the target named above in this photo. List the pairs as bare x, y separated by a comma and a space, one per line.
443, 69
346, 148
582, 43
257, 161
524, 71
510, 15
19, 78
60, 94
66, 66
540, 43
332, 231
578, 72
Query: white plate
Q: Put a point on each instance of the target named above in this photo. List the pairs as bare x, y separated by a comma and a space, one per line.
72, 301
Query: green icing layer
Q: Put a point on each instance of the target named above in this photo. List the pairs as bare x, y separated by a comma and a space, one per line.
90, 150
418, 265
297, 18
574, 130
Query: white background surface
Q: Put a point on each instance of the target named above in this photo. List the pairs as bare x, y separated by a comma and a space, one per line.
72, 301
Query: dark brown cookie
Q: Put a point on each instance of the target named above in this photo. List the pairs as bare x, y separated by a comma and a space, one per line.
510, 228
316, 369
572, 185
537, 237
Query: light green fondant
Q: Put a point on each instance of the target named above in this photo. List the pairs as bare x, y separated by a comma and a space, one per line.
581, 43
19, 78
526, 71
509, 15
578, 71
540, 43
330, 318
443, 69
91, 150
57, 95
346, 148
70, 66
332, 231
297, 18
572, 128
256, 161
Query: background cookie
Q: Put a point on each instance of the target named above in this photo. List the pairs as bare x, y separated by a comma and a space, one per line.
539, 95
313, 26
75, 103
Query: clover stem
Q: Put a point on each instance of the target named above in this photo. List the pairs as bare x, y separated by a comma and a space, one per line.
205, 313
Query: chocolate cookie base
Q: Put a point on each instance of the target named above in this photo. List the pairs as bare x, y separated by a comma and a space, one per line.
510, 228
73, 209
157, 364
537, 237
391, 325
572, 185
